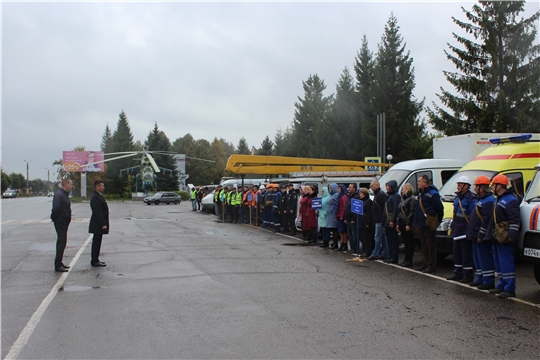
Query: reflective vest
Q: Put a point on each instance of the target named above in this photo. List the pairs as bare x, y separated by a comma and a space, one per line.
193, 194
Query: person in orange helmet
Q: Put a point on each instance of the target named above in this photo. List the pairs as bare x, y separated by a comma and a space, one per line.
482, 242
504, 225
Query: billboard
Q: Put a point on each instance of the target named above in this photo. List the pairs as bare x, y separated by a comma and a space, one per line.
79, 161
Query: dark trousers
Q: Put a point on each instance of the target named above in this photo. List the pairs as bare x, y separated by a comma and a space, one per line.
393, 244
408, 240
291, 222
367, 240
61, 241
351, 232
463, 258
96, 248
429, 248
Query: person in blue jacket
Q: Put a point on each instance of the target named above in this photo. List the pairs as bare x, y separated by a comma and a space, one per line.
464, 204
331, 222
482, 244
505, 214
429, 203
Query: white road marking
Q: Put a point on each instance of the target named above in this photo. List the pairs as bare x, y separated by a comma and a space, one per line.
25, 334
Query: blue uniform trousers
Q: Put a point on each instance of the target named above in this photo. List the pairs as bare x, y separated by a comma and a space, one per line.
483, 254
504, 264
463, 258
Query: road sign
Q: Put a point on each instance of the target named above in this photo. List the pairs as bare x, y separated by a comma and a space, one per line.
373, 159
357, 206
316, 203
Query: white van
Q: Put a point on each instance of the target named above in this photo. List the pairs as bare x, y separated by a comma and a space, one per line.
439, 171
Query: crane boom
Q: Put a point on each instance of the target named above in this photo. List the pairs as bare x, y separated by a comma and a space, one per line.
282, 165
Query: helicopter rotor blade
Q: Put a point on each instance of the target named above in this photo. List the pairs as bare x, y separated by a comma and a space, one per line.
114, 158
153, 162
122, 152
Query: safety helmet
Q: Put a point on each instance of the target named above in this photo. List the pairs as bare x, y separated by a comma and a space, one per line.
261, 187
464, 180
500, 179
481, 180
268, 186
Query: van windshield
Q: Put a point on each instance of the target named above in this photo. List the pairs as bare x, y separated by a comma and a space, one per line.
398, 175
533, 194
448, 190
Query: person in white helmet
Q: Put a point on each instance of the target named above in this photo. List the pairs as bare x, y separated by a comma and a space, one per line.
464, 205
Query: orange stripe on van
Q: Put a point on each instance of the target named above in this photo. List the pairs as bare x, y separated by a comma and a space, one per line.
492, 157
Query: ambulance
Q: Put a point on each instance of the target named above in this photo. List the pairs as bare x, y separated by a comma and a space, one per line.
513, 156
528, 242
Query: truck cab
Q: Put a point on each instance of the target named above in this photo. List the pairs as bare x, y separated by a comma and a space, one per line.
528, 242
513, 156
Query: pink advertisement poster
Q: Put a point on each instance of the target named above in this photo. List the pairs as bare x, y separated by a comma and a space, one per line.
79, 161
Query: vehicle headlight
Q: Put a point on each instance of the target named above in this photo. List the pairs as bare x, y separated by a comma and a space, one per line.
445, 224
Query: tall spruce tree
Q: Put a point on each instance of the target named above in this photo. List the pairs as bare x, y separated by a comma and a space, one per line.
282, 142
364, 67
311, 112
122, 140
342, 130
267, 147
106, 140
496, 83
242, 147
393, 92
158, 141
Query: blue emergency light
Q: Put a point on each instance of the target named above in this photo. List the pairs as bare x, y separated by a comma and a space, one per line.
513, 138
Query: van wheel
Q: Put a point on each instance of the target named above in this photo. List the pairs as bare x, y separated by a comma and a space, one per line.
157, 202
176, 202
537, 272
148, 203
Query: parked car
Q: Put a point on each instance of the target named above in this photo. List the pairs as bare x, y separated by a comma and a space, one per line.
9, 194
163, 197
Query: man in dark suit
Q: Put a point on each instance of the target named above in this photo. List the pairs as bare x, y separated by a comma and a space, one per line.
99, 222
61, 217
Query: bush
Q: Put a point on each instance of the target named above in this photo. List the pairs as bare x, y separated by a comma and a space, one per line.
184, 195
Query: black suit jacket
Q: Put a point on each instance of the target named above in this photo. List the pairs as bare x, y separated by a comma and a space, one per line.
100, 214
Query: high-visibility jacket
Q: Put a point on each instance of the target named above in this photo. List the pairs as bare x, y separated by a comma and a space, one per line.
253, 198
238, 198
193, 194
228, 198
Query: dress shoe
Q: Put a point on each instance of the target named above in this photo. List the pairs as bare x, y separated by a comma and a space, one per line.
495, 291
60, 269
406, 264
391, 261
466, 280
420, 268
371, 258
99, 264
325, 245
475, 283
382, 258
507, 294
486, 287
66, 266
429, 270
455, 278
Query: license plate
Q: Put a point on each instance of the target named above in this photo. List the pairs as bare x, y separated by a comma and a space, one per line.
531, 252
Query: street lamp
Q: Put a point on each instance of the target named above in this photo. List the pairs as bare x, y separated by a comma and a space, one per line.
48, 178
389, 157
27, 179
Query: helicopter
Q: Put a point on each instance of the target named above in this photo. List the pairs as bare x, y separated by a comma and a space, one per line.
147, 168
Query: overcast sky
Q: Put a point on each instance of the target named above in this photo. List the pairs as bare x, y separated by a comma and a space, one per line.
209, 69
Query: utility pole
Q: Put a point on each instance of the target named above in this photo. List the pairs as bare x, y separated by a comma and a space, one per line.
27, 177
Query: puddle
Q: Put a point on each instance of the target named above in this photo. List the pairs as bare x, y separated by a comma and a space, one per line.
108, 275
79, 288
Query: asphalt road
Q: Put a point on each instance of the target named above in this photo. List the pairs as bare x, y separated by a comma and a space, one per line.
179, 284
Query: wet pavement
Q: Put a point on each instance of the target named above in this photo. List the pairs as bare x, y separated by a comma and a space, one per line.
179, 284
